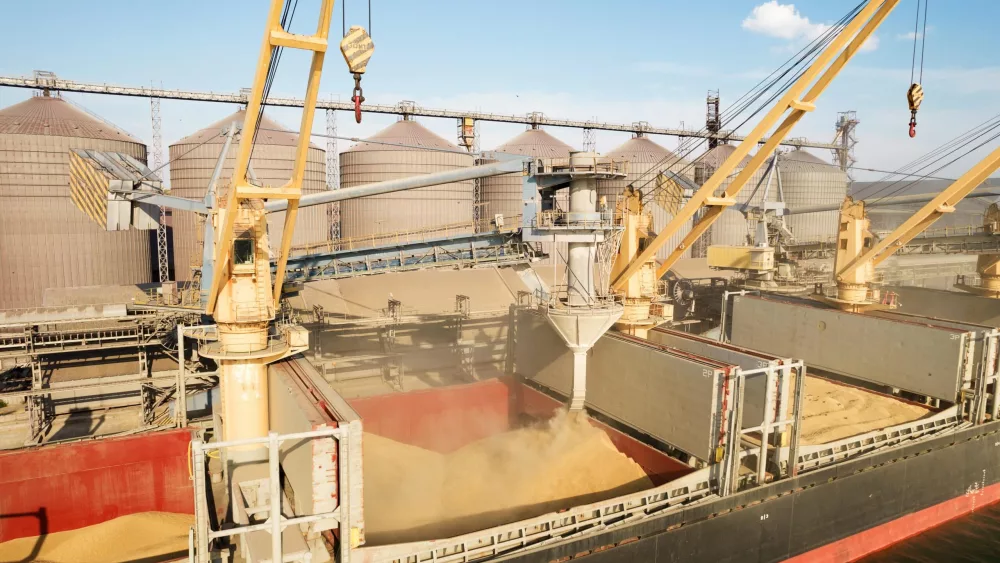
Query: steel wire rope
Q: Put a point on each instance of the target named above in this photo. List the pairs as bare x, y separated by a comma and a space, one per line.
950, 162
916, 28
923, 42
187, 152
891, 173
801, 59
932, 157
287, 16
374, 142
960, 139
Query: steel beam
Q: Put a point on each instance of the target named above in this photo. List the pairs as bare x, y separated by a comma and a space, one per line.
61, 85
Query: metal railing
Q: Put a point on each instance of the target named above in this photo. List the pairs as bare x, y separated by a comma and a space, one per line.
557, 295
199, 550
550, 528
563, 219
586, 165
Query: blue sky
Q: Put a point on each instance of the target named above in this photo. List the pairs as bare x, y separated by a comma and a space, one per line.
624, 61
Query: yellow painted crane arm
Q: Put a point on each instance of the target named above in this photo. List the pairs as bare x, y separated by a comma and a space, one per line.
833, 58
240, 188
943, 203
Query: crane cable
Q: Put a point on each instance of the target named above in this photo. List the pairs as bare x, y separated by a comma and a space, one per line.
797, 65
805, 55
913, 168
982, 135
287, 16
915, 94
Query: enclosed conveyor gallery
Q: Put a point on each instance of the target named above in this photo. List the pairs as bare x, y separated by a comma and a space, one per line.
914, 356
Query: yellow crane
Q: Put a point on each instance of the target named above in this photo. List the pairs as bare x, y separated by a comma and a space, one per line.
790, 108
858, 254
242, 297
987, 265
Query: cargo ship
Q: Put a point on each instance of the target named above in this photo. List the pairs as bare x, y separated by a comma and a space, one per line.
865, 463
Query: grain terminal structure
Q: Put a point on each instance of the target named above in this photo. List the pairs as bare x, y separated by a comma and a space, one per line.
45, 241
418, 392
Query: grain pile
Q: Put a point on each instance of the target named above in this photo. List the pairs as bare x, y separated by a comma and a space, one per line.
831, 411
415, 494
146, 536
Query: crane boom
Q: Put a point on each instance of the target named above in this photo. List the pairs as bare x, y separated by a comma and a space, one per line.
241, 188
846, 43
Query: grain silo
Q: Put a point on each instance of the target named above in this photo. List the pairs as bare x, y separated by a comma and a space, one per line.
732, 228
503, 194
433, 207
191, 166
807, 180
45, 241
647, 159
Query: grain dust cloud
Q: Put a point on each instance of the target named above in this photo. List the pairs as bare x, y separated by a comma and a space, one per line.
415, 494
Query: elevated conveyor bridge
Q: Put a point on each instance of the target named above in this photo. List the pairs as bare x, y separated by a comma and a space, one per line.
443, 247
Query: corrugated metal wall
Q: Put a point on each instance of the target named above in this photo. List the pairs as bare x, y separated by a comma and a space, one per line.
191, 169
807, 180
411, 210
45, 241
646, 159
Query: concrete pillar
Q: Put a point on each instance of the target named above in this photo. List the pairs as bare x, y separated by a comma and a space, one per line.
245, 406
582, 255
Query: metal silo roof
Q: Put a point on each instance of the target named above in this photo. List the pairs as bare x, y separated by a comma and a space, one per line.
646, 159
54, 116
405, 132
270, 132
536, 143
799, 159
443, 209
642, 149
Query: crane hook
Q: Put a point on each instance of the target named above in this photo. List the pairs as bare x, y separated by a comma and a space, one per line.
914, 96
357, 98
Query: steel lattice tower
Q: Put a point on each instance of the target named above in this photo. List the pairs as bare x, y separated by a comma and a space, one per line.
155, 161
589, 140
847, 122
332, 172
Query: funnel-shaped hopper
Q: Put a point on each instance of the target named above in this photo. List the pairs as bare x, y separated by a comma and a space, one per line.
580, 328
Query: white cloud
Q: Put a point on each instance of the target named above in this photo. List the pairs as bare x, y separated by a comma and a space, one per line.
911, 35
783, 21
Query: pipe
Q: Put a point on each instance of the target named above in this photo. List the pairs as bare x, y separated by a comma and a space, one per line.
409, 183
